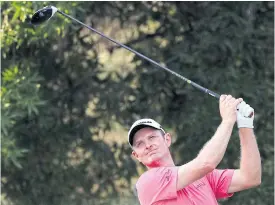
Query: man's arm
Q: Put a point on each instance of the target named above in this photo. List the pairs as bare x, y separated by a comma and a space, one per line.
213, 151
249, 174
208, 158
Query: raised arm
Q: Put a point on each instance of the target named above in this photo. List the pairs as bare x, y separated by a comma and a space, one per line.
249, 173
213, 151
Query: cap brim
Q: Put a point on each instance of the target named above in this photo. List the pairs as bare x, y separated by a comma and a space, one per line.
134, 131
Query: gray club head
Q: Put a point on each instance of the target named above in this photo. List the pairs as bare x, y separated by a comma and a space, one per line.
42, 15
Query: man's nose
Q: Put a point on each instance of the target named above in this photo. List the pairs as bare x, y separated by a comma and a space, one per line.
148, 144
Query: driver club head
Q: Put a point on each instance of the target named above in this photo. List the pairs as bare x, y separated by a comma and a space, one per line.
42, 15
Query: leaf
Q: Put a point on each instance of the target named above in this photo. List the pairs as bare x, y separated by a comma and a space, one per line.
16, 163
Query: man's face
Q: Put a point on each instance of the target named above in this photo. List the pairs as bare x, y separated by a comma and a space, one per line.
150, 146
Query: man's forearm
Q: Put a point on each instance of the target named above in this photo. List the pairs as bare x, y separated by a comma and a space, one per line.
214, 149
250, 165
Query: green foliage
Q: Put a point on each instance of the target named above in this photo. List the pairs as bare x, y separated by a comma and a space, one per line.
68, 96
19, 99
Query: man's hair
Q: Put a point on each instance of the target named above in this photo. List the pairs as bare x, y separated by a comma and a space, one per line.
162, 133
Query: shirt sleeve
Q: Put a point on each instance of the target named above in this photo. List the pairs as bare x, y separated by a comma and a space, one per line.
220, 180
157, 184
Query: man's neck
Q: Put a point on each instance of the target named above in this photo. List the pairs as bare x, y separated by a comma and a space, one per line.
168, 162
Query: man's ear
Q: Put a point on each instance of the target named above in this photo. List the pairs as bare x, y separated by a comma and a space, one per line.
168, 139
135, 155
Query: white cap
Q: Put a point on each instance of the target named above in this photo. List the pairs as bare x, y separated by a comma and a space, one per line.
139, 124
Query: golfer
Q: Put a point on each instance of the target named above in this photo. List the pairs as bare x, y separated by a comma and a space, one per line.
197, 182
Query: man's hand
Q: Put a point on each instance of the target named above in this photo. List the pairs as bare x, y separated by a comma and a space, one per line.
228, 108
246, 122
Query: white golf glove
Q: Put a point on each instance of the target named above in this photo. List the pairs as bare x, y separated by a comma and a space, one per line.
243, 115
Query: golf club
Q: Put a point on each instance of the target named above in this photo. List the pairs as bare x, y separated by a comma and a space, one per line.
46, 13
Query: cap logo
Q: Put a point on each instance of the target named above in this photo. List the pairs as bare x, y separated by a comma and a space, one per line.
144, 122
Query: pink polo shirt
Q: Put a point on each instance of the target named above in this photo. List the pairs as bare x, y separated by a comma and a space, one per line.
158, 186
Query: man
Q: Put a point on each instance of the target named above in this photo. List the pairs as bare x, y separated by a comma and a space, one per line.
197, 182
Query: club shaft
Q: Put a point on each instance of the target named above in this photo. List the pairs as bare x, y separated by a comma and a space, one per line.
199, 87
